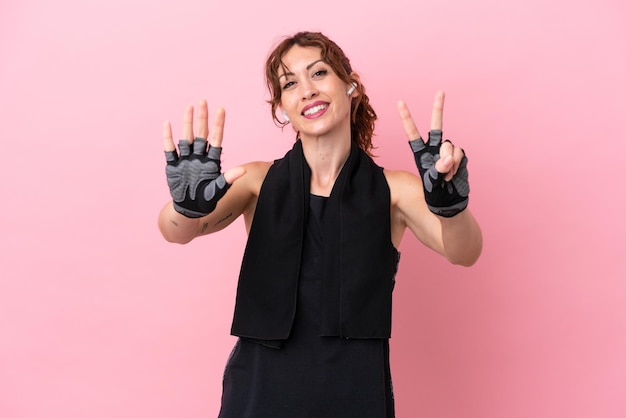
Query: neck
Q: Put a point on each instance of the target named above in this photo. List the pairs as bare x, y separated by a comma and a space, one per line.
325, 157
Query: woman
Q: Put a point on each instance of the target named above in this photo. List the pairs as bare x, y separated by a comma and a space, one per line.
313, 307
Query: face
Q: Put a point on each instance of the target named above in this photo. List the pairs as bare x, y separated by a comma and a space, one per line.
312, 95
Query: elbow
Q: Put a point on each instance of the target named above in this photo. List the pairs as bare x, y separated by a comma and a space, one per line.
174, 235
462, 239
469, 255
176, 240
467, 261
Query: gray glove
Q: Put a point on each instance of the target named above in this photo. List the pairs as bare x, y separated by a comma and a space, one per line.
195, 178
444, 198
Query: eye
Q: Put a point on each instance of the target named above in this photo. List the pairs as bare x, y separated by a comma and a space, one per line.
320, 73
288, 84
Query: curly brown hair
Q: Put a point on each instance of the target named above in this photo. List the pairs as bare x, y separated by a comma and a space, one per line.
363, 116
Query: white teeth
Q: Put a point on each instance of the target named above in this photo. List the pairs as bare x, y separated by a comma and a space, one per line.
314, 109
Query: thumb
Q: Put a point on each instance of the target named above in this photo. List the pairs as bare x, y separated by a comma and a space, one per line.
443, 165
233, 174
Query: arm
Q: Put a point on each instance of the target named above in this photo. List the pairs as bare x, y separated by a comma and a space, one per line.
458, 238
437, 214
216, 200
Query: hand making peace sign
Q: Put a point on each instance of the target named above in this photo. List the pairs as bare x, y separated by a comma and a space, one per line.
442, 166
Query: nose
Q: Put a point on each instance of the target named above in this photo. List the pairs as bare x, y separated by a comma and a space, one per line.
308, 90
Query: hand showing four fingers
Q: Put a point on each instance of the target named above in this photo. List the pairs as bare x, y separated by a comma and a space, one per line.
194, 172
442, 166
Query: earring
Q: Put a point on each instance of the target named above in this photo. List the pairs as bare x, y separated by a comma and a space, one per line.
351, 89
285, 116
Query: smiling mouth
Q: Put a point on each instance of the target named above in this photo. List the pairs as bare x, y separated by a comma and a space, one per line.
315, 109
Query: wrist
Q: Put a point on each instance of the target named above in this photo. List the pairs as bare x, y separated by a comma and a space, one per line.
449, 211
187, 213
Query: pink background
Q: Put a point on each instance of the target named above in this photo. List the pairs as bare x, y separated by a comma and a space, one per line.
100, 317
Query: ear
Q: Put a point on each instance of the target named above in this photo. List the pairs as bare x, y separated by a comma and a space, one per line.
354, 92
284, 114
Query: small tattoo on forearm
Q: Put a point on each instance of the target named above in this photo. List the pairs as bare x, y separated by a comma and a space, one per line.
223, 219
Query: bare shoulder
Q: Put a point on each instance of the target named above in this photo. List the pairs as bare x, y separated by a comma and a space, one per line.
255, 175
248, 186
403, 184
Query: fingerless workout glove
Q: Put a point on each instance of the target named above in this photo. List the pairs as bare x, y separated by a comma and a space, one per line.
195, 179
444, 198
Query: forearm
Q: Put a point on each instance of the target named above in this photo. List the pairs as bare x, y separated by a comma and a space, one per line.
462, 238
176, 227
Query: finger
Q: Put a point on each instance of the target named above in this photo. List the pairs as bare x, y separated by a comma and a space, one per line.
188, 124
168, 141
446, 149
449, 161
407, 121
217, 133
457, 156
446, 161
444, 165
203, 119
233, 174
436, 121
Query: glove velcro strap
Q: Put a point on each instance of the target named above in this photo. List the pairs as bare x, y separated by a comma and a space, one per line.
187, 212
450, 211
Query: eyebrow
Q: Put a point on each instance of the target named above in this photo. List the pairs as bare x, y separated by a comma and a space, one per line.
308, 67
